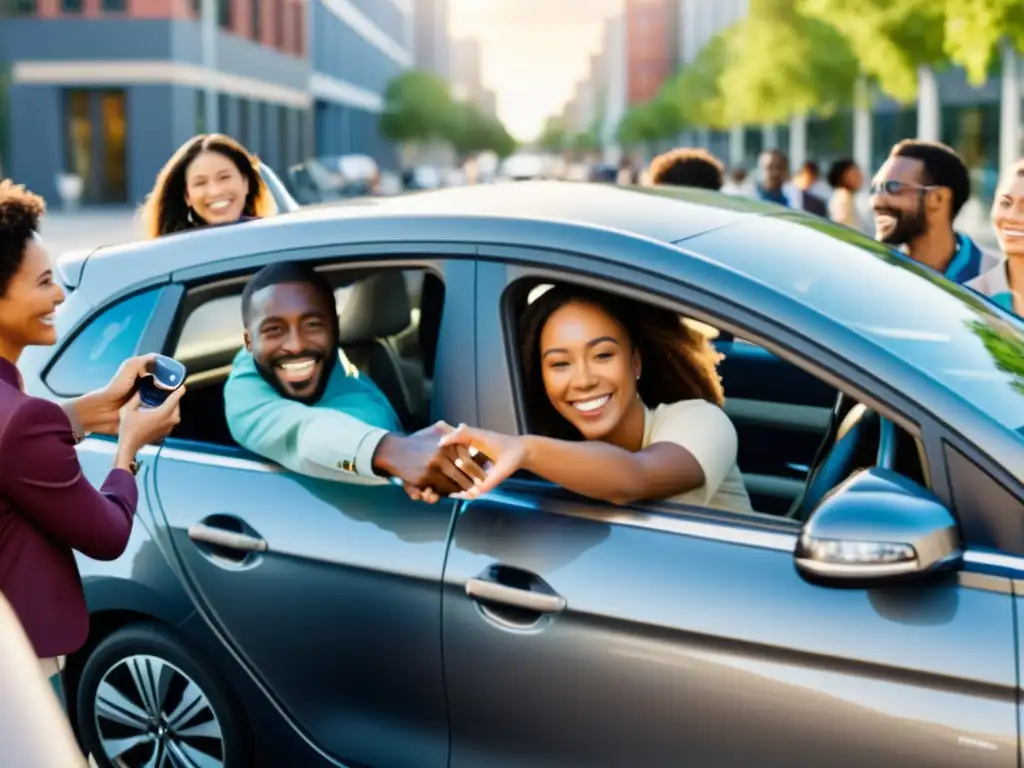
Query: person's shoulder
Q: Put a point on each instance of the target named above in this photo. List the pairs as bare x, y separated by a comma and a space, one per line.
24, 416
686, 410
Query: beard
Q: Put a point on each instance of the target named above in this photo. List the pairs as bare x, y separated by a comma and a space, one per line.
270, 376
907, 227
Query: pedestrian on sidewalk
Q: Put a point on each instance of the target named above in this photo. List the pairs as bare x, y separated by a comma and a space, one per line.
846, 179
916, 196
687, 167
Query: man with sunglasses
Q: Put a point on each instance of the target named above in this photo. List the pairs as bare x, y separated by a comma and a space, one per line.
916, 196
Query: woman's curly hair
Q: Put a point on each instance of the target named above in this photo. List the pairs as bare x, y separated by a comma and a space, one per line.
679, 362
20, 212
165, 210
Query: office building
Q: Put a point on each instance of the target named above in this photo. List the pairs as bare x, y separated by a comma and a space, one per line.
430, 19
106, 90
358, 46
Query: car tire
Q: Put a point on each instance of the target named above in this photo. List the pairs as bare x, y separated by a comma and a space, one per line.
123, 716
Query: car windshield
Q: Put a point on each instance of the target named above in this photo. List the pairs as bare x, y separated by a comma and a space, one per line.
960, 338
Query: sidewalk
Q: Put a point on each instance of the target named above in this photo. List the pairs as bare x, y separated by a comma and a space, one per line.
90, 228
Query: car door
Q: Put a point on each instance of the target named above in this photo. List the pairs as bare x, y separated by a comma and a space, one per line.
581, 634
328, 591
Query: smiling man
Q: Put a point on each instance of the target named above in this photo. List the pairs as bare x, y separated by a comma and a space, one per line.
916, 196
293, 398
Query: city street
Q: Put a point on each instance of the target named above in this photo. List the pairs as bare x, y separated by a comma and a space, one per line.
87, 229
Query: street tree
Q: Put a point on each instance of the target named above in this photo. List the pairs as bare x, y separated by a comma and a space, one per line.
974, 30
417, 107
554, 137
782, 63
696, 89
890, 38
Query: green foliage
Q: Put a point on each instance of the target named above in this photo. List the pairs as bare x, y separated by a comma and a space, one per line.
782, 63
418, 107
639, 125
586, 141
890, 38
1006, 349
697, 88
974, 30
554, 137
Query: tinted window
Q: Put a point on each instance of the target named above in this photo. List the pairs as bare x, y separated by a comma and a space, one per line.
956, 336
93, 356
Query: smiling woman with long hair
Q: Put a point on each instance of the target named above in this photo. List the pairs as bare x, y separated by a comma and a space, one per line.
48, 508
626, 404
210, 180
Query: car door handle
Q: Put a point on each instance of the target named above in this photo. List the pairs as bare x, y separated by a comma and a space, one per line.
219, 537
480, 589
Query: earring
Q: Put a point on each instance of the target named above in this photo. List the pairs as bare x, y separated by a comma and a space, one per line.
190, 219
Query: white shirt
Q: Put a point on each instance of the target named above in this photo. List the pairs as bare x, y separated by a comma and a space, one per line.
703, 429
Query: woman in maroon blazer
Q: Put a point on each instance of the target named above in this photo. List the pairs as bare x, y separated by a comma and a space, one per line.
47, 507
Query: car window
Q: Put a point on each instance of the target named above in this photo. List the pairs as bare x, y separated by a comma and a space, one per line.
93, 356
780, 413
958, 337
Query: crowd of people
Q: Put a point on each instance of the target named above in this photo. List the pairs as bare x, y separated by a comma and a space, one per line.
916, 197
625, 401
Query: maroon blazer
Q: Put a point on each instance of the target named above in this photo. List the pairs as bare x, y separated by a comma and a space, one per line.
48, 509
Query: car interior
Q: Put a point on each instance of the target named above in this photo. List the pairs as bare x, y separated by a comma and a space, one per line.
852, 438
389, 321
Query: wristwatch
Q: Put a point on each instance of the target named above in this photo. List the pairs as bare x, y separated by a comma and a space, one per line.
134, 467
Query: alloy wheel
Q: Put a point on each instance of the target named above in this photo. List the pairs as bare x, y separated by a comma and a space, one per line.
150, 714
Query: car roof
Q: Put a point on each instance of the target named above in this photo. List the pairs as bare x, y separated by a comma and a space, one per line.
665, 214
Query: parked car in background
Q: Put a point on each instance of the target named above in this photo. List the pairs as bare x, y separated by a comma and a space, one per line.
311, 183
522, 167
866, 612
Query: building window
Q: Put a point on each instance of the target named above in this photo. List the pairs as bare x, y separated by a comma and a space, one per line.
255, 13
222, 113
298, 29
200, 112
244, 136
282, 139
114, 6
18, 8
280, 26
71, 6
224, 13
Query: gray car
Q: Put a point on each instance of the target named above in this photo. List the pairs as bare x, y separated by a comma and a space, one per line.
866, 615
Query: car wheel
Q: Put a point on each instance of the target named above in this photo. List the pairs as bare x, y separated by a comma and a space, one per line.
145, 699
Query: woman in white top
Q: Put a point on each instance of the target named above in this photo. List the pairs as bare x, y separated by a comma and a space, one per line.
846, 179
626, 403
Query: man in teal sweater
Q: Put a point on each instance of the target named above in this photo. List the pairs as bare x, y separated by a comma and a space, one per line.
293, 398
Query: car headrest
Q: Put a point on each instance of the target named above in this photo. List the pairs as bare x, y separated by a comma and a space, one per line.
373, 308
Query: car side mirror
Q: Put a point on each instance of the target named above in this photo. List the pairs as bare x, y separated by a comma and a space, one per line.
875, 528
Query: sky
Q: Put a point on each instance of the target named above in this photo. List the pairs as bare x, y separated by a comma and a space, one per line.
532, 52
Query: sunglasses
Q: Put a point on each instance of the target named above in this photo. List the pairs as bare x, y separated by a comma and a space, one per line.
893, 187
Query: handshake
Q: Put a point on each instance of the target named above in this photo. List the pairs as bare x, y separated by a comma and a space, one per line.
442, 460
